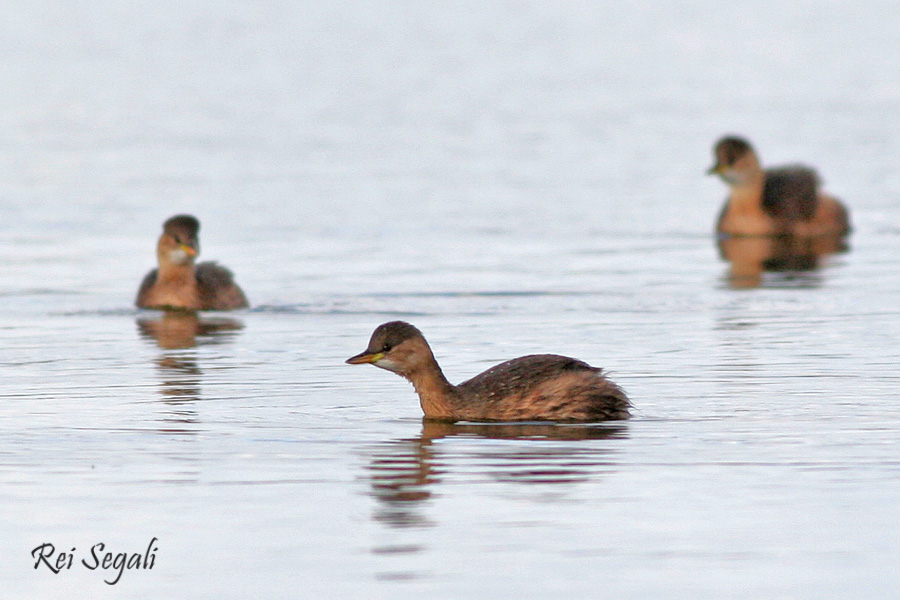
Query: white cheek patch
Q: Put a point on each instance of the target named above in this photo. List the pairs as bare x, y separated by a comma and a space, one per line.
386, 363
179, 257
731, 176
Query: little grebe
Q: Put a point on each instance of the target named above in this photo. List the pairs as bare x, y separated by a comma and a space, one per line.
543, 387
180, 284
779, 201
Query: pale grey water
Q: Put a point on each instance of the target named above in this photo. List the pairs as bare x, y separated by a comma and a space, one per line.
512, 178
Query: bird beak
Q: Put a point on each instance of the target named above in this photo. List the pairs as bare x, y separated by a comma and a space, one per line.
364, 358
189, 250
715, 169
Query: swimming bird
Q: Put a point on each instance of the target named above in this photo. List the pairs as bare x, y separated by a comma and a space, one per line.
180, 284
778, 201
541, 387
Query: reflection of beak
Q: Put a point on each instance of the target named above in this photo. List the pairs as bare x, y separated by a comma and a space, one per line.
364, 358
189, 250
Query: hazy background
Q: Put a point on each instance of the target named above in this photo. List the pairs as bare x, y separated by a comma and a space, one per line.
512, 177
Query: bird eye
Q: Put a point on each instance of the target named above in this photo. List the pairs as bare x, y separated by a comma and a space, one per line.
386, 347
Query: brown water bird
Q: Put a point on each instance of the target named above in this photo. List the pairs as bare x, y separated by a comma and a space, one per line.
778, 201
542, 387
180, 284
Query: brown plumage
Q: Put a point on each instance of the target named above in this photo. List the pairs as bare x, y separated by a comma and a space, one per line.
542, 387
779, 201
180, 284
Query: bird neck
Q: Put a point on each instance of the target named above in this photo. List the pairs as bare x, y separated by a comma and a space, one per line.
747, 191
746, 179
435, 392
169, 271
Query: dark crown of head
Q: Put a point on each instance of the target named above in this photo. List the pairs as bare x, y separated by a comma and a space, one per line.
186, 224
390, 334
730, 148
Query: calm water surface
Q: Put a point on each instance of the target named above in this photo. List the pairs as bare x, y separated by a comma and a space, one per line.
512, 178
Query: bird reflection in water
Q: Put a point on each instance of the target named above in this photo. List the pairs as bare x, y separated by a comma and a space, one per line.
176, 330
178, 333
794, 260
404, 473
